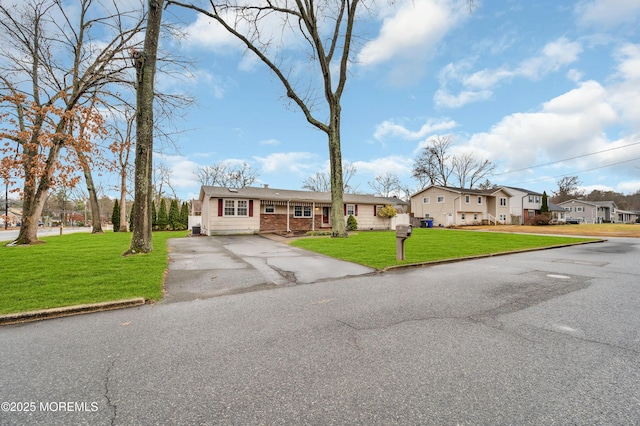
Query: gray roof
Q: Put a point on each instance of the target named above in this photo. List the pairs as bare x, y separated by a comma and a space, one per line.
468, 190
274, 194
524, 190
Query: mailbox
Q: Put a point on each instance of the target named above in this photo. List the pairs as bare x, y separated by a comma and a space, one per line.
403, 231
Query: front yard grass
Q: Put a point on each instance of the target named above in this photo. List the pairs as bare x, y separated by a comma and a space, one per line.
80, 268
378, 248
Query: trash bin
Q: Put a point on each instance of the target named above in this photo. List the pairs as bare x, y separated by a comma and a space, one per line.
429, 223
423, 223
195, 230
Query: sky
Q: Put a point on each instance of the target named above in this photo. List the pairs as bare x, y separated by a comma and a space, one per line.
543, 89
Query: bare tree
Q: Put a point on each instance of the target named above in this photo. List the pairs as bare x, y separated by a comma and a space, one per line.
386, 185
432, 165
321, 181
567, 189
53, 63
469, 169
227, 175
435, 165
329, 55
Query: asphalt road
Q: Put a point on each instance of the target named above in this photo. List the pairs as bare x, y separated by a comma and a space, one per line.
546, 337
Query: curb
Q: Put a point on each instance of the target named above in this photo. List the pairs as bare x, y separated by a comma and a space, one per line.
482, 256
31, 316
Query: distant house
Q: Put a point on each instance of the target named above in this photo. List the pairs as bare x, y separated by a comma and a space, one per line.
448, 206
253, 210
524, 204
590, 211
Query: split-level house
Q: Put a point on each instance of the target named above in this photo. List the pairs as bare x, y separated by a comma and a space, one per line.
589, 211
526, 204
448, 206
253, 210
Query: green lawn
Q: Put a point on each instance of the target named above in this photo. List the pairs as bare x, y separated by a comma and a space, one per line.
378, 248
80, 268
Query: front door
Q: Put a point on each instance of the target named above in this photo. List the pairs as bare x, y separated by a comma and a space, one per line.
325, 216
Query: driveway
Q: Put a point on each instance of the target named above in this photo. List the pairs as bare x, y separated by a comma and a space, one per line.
203, 267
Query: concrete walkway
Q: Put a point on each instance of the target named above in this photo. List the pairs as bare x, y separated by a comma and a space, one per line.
203, 267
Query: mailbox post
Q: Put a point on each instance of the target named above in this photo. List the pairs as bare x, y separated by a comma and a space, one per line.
402, 233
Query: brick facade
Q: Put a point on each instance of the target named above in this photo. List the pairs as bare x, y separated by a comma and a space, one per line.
278, 223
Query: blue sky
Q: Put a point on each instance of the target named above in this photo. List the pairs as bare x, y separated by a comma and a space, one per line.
543, 89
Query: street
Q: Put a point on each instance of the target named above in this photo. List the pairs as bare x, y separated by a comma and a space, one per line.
545, 337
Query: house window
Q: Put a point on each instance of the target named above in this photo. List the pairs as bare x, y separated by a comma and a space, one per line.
579, 209
236, 208
503, 202
537, 199
269, 208
467, 199
351, 209
302, 211
464, 216
531, 198
242, 208
378, 208
475, 216
441, 198
503, 218
479, 200
426, 200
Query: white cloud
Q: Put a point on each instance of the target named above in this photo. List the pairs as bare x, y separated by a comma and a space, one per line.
445, 99
182, 170
395, 164
554, 56
478, 86
390, 129
628, 187
568, 125
607, 13
270, 142
409, 35
297, 162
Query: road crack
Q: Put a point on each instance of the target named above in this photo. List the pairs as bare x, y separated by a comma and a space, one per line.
110, 403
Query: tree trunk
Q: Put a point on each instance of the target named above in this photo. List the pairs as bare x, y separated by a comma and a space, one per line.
123, 202
34, 198
145, 72
96, 222
339, 228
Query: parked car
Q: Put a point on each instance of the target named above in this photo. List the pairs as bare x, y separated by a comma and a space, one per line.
573, 221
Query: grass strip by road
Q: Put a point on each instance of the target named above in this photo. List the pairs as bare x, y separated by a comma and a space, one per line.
80, 268
377, 249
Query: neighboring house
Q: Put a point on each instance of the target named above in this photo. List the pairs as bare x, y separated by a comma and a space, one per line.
448, 206
589, 211
626, 216
252, 210
558, 214
524, 204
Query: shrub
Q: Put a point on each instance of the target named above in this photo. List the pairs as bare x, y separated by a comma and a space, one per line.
539, 219
352, 223
115, 216
318, 233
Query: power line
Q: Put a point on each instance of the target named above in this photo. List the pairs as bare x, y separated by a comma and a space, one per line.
568, 159
582, 171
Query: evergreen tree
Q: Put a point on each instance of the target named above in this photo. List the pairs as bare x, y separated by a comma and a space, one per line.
352, 223
174, 215
131, 218
154, 216
163, 220
545, 203
184, 216
115, 216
